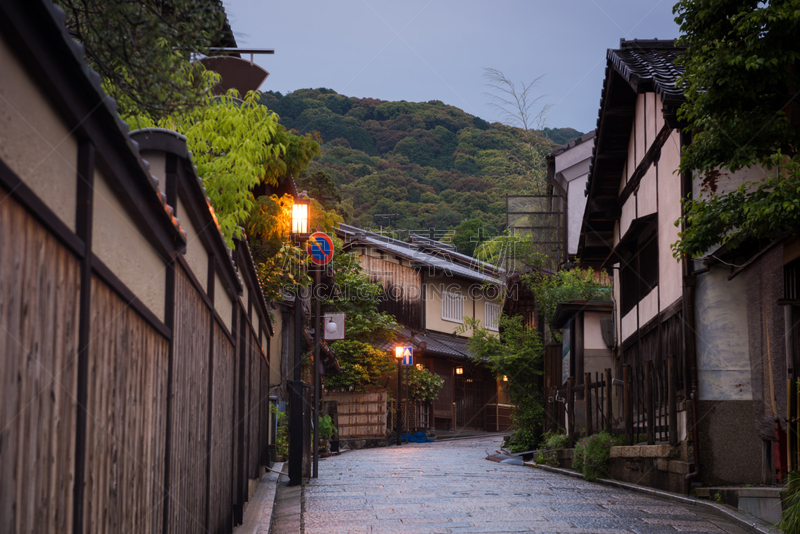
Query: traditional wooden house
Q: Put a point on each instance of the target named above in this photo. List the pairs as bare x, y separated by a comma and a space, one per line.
133, 343
726, 330
430, 288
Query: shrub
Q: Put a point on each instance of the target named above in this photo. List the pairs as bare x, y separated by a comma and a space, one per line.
790, 517
553, 440
547, 458
592, 455
424, 385
282, 437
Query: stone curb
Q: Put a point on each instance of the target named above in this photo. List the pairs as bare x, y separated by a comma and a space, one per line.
258, 513
727, 512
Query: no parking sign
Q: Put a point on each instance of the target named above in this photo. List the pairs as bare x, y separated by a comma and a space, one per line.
320, 248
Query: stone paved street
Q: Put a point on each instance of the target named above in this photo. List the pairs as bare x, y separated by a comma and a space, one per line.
451, 487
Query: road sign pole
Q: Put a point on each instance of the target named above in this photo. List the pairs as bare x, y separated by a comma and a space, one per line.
399, 425
317, 388
407, 430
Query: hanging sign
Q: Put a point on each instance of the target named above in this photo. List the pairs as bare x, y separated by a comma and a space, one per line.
320, 248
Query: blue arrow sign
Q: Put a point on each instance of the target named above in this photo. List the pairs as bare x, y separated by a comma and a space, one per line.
408, 356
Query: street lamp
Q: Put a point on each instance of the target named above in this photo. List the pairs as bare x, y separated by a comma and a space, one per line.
299, 233
300, 212
398, 354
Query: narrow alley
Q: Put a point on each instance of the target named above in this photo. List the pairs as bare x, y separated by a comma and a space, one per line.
449, 486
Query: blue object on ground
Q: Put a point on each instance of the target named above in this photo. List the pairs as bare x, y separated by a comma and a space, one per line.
418, 437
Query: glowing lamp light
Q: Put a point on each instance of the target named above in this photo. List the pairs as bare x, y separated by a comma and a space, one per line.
398, 352
420, 367
459, 370
505, 378
300, 216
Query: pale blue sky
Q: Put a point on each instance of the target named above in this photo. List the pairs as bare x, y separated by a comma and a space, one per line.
420, 50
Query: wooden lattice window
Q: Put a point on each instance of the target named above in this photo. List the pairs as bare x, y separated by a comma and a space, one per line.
491, 315
452, 307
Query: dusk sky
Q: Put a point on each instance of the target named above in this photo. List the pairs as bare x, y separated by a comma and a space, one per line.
420, 50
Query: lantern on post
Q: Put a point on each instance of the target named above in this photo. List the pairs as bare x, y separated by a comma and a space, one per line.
398, 354
299, 233
300, 217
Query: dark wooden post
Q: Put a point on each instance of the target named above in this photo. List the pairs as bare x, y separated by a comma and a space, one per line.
626, 397
609, 394
587, 382
651, 419
570, 411
672, 402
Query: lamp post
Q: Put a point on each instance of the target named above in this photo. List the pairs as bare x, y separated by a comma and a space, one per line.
398, 353
296, 439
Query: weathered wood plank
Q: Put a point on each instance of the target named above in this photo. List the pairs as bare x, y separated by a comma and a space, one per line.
39, 284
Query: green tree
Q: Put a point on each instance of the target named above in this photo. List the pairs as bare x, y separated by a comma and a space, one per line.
470, 234
362, 362
564, 286
516, 353
741, 84
142, 50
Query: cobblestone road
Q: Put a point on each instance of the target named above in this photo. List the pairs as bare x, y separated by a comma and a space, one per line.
451, 487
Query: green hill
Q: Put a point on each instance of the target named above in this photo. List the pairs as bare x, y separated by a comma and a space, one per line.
433, 164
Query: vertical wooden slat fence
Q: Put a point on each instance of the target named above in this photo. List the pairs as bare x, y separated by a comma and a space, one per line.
39, 287
221, 450
187, 480
126, 423
647, 398
122, 390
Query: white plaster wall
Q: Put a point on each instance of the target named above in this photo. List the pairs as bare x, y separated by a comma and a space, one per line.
245, 295
723, 362
119, 245
223, 303
196, 255
158, 167
592, 334
627, 215
628, 324
729, 181
275, 343
647, 195
648, 306
577, 205
630, 165
34, 141
653, 105
473, 294
433, 303
669, 210
639, 123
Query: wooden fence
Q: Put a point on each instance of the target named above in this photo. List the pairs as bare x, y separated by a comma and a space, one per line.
360, 415
642, 405
133, 347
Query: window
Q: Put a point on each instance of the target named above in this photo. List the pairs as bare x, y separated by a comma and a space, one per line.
452, 307
639, 273
491, 315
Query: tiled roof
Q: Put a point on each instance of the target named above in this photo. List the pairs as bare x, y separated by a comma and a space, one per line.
434, 344
418, 254
572, 144
649, 65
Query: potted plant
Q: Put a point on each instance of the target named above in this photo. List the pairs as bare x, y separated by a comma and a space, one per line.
326, 431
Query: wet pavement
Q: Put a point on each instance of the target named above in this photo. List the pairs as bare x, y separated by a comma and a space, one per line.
450, 487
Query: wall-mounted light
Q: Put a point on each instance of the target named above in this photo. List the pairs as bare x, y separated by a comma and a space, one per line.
459, 370
505, 378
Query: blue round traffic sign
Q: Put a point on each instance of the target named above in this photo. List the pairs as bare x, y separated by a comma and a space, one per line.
320, 248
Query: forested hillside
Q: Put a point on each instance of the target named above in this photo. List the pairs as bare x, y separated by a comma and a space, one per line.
432, 164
